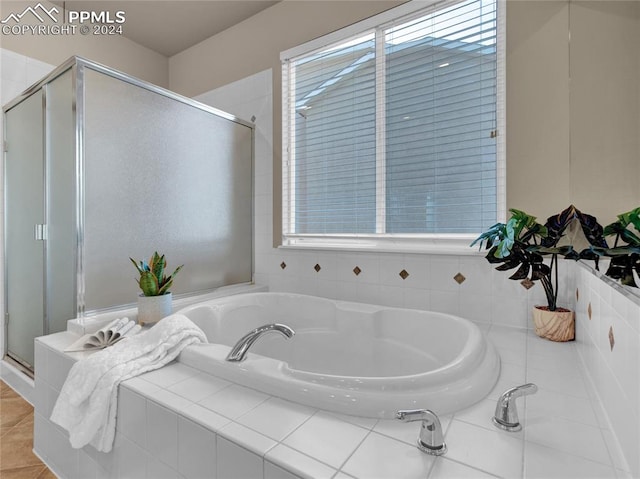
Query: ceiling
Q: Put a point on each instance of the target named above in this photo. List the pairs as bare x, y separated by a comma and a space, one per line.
171, 26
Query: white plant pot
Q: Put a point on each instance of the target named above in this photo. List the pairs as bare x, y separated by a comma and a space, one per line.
152, 309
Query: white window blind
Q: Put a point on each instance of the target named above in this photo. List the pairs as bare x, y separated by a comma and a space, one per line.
394, 131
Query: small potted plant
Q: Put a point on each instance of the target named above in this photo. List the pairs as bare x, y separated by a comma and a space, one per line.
523, 243
155, 302
625, 252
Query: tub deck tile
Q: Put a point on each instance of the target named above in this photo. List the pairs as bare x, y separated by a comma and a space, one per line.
276, 418
300, 464
327, 439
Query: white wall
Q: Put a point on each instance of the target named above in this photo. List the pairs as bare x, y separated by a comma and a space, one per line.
17, 73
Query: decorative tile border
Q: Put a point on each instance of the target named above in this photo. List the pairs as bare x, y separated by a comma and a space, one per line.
527, 283
612, 340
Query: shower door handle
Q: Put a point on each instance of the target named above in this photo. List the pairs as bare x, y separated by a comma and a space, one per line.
40, 232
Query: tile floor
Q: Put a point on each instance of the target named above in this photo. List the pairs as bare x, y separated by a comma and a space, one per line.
17, 460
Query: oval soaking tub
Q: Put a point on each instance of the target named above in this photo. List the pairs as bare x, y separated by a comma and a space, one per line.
345, 357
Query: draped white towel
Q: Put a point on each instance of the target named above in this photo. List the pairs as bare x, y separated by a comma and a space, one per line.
87, 404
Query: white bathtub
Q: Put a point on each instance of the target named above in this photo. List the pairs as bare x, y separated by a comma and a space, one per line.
350, 358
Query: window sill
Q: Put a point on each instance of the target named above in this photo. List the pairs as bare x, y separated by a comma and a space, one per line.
431, 244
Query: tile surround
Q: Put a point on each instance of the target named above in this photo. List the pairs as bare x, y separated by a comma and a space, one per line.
408, 280
290, 417
608, 342
378, 456
232, 430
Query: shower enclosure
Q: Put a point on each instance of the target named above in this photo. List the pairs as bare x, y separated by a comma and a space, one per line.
100, 167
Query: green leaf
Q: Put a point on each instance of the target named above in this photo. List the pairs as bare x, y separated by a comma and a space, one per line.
166, 282
139, 267
630, 217
634, 218
490, 236
509, 265
159, 264
630, 238
539, 270
522, 219
165, 287
177, 270
628, 279
521, 273
148, 284
153, 280
504, 248
491, 256
622, 250
565, 251
621, 268
614, 229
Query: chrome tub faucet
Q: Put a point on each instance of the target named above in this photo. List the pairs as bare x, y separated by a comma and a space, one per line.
506, 415
431, 439
241, 348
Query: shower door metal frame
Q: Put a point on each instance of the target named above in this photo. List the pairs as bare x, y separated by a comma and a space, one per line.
81, 64
78, 65
17, 360
39, 87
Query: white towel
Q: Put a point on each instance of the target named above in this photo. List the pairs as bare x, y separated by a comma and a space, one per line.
87, 404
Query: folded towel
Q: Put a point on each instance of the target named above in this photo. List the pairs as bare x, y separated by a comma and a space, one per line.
87, 404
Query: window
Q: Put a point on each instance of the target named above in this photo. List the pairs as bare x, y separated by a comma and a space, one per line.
393, 131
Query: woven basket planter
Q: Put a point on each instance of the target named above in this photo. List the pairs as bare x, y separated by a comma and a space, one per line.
558, 325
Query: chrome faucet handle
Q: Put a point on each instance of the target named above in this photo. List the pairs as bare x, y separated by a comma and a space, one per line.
506, 415
431, 439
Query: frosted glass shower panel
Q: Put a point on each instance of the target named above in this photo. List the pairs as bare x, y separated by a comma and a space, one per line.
24, 210
162, 175
61, 202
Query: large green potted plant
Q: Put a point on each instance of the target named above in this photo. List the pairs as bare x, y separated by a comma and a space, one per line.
523, 243
625, 252
155, 302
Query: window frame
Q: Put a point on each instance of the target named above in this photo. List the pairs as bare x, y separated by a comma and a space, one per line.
437, 243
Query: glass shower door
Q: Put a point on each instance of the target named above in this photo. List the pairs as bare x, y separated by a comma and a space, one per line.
24, 227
